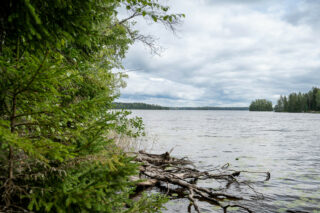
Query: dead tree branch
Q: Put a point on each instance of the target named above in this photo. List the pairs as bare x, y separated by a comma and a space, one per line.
179, 175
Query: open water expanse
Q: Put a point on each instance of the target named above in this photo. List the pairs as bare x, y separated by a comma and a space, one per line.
285, 144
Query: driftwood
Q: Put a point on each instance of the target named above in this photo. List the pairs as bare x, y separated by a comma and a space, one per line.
179, 177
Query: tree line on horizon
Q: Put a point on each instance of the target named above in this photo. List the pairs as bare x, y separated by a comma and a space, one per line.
122, 105
118, 105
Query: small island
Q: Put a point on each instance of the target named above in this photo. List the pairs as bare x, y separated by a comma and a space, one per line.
261, 105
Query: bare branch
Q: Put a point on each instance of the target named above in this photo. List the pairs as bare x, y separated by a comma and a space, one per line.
191, 198
35, 74
135, 14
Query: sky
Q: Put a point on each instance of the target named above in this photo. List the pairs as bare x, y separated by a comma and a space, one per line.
227, 53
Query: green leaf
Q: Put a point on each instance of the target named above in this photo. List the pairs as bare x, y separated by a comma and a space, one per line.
155, 18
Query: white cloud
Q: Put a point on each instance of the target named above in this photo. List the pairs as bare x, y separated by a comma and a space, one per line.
143, 84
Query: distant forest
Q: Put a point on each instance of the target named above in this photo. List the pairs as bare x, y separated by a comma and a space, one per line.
118, 105
299, 102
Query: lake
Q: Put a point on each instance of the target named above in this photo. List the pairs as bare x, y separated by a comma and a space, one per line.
285, 144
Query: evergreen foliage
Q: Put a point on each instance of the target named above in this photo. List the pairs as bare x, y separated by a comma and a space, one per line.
56, 92
261, 105
299, 102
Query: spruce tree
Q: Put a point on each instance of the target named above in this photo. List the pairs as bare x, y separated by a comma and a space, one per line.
57, 89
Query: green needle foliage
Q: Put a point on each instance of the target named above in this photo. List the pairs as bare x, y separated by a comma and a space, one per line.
56, 92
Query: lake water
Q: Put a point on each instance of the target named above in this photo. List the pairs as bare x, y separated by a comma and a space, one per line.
285, 144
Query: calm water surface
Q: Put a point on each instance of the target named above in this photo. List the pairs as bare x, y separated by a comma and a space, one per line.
287, 145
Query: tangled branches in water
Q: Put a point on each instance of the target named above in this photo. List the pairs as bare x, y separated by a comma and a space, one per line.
180, 177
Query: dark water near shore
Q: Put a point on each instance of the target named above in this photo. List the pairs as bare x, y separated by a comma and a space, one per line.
287, 145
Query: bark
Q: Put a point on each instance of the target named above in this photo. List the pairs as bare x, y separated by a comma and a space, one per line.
12, 123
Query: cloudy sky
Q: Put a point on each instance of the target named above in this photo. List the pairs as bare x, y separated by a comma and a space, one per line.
228, 53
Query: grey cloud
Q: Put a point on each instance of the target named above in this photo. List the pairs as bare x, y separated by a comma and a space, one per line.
304, 12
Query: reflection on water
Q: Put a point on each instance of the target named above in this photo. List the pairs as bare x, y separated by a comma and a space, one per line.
287, 145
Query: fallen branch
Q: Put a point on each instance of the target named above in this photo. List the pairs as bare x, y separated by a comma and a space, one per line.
174, 174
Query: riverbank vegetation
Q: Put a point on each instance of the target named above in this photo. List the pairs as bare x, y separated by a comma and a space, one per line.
261, 105
299, 102
57, 89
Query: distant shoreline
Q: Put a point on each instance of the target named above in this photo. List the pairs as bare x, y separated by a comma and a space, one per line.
144, 106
